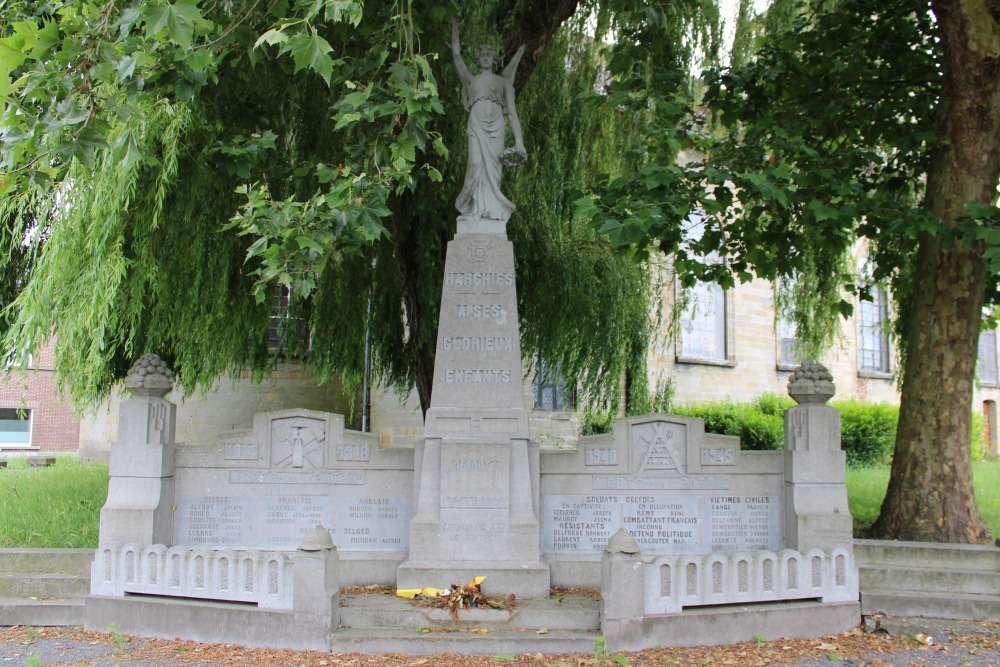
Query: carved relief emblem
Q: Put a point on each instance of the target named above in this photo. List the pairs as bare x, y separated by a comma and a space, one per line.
659, 447
480, 251
298, 442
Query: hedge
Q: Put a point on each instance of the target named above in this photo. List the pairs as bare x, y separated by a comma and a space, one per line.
868, 431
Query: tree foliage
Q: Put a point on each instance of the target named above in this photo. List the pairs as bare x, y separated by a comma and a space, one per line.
857, 121
166, 163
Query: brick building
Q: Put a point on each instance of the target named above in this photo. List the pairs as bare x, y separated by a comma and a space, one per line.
33, 416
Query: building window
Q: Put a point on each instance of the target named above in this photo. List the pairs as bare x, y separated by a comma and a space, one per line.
15, 427
703, 324
986, 364
873, 344
279, 315
788, 355
288, 333
552, 392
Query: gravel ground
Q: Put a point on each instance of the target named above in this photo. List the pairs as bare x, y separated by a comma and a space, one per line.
896, 642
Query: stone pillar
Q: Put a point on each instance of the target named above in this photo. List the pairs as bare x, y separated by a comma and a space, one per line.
141, 490
816, 510
476, 484
623, 592
316, 584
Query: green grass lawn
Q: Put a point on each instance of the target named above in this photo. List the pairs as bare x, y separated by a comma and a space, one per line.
58, 506
866, 489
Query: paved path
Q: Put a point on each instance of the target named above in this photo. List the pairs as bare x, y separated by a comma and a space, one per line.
956, 644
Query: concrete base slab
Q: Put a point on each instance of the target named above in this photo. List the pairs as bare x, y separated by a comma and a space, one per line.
525, 580
937, 581
465, 641
711, 626
208, 622
951, 605
30, 585
368, 569
571, 612
42, 613
47, 561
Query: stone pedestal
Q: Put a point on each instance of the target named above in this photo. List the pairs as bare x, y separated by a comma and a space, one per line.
817, 515
623, 588
476, 473
141, 490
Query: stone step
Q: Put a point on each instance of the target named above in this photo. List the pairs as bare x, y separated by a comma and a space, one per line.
930, 555
43, 586
48, 612
570, 612
927, 580
46, 561
464, 641
984, 607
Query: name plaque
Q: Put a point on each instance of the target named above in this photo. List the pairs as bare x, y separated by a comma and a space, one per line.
281, 522
340, 477
661, 524
682, 483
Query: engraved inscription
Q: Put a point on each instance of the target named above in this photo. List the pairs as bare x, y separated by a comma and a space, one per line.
478, 376
478, 343
601, 456
692, 482
661, 523
478, 279
475, 464
355, 524
354, 453
241, 451
483, 311
476, 502
254, 477
474, 532
743, 523
718, 456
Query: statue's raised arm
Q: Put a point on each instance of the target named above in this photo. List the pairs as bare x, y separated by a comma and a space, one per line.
456, 53
489, 98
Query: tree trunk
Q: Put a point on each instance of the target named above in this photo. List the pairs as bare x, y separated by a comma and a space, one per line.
930, 495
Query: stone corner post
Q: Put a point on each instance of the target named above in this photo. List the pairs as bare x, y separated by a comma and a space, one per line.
623, 592
141, 489
816, 511
316, 580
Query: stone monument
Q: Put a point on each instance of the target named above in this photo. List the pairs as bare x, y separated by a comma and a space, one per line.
476, 477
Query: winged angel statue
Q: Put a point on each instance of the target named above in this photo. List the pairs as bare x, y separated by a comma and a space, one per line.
487, 97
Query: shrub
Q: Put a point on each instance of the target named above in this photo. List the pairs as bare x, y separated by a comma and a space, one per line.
756, 430
594, 421
867, 431
773, 404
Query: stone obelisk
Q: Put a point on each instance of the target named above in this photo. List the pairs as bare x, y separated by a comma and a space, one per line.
476, 508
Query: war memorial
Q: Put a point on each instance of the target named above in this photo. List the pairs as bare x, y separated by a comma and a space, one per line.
689, 539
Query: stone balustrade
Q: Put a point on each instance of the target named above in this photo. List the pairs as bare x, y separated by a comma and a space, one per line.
263, 578
673, 583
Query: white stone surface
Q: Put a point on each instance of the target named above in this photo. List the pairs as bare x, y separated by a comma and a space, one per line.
673, 583
237, 575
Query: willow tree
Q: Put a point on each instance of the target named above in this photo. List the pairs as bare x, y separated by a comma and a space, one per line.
861, 121
165, 164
